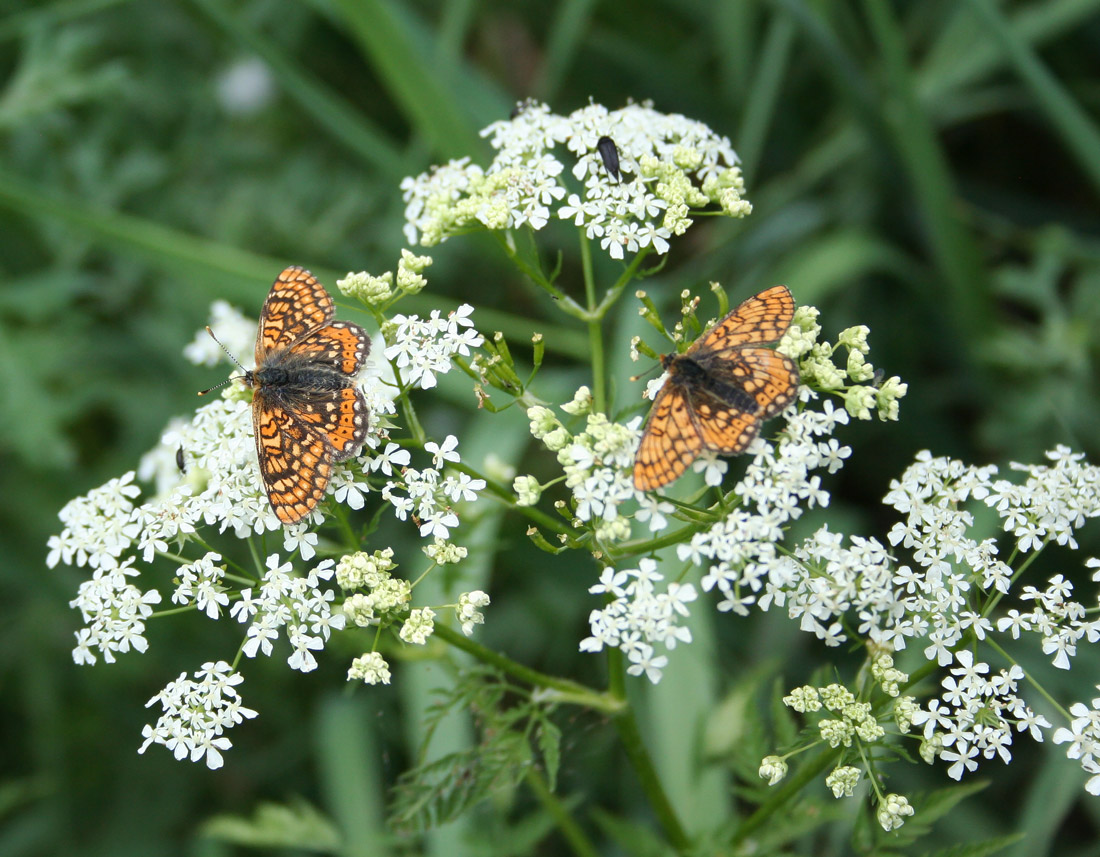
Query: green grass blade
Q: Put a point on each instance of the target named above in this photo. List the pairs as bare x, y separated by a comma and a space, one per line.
329, 110
763, 95
226, 272
961, 57
925, 163
52, 15
568, 29
411, 75
349, 763
676, 714
1079, 133
734, 44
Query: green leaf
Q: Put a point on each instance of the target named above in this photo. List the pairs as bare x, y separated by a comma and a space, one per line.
983, 848
438, 792
1078, 131
409, 71
635, 838
276, 825
938, 803
548, 736
326, 107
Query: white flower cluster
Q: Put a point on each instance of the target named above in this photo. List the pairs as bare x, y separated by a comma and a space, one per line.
384, 599
667, 166
892, 811
843, 720
934, 599
941, 599
114, 611
195, 714
424, 348
819, 367
468, 610
298, 604
428, 496
200, 583
378, 290
108, 533
1083, 737
945, 595
597, 465
640, 617
975, 716
739, 551
220, 487
235, 332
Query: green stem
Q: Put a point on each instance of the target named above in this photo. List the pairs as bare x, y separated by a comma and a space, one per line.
650, 782
554, 689
412, 422
256, 558
595, 333
616, 674
624, 279
1038, 687
997, 594
505, 494
172, 611
572, 832
340, 513
782, 798
562, 300
639, 548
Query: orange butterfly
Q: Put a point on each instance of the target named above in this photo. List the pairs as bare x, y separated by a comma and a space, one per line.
719, 390
307, 412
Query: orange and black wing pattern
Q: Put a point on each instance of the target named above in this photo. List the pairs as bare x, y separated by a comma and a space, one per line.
307, 411
761, 320
296, 304
719, 391
670, 440
295, 459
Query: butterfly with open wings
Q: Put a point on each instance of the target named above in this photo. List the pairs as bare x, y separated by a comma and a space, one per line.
720, 390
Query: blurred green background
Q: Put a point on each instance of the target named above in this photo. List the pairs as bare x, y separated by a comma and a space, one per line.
929, 168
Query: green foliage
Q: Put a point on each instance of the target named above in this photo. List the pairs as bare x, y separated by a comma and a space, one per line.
294, 824
517, 740
995, 845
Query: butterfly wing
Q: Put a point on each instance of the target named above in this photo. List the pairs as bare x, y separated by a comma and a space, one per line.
339, 415
723, 427
719, 390
769, 377
670, 439
763, 318
341, 346
296, 304
294, 455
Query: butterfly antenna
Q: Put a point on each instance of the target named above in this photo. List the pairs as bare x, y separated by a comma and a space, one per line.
228, 354
648, 371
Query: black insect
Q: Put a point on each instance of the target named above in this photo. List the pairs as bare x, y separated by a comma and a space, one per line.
609, 152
